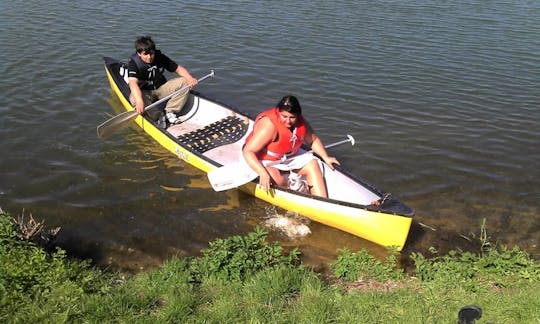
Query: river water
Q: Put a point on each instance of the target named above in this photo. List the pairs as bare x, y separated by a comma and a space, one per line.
441, 96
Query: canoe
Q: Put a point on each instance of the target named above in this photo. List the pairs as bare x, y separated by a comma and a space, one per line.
211, 136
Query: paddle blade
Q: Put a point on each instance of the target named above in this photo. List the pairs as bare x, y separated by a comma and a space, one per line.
231, 176
116, 123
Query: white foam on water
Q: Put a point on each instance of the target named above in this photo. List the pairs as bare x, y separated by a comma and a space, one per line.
291, 224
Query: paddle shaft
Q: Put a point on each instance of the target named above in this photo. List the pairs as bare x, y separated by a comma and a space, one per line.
349, 139
167, 97
121, 120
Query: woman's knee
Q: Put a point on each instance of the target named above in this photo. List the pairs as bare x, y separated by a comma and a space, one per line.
311, 169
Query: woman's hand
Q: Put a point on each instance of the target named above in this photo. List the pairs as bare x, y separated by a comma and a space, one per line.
330, 161
265, 181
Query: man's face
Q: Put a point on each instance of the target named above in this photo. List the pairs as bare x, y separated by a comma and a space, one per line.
147, 56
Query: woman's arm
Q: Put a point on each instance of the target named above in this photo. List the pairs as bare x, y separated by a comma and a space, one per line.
318, 147
264, 132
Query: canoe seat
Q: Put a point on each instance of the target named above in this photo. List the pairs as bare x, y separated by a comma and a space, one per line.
222, 132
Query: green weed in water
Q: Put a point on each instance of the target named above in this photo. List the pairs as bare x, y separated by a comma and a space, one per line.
30, 275
494, 265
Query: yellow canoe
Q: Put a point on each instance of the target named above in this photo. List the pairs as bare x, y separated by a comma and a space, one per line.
212, 134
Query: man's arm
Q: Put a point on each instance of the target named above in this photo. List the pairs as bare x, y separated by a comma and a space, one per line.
182, 72
137, 94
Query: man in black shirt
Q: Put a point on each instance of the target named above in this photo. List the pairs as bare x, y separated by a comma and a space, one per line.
148, 84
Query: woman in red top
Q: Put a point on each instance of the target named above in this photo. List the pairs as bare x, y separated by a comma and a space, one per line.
281, 131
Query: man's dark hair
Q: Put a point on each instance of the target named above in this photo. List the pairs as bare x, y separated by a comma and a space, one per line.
290, 104
144, 44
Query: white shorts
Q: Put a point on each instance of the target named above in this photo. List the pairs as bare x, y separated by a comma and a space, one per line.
292, 163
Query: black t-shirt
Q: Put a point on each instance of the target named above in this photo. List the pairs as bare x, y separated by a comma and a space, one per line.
150, 76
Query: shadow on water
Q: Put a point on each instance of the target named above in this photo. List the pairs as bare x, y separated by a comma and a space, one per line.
424, 238
317, 250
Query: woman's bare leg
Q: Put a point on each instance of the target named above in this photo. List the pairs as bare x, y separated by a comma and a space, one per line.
314, 178
278, 178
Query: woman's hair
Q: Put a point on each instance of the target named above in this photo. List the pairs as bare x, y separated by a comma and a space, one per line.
290, 104
144, 44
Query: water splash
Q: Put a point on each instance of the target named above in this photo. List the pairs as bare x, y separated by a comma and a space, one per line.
289, 224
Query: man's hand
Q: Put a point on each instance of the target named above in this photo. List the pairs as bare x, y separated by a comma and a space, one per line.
139, 107
192, 82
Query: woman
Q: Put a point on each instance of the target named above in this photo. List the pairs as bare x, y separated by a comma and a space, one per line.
281, 131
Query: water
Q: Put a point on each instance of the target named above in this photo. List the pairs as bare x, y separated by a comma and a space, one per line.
442, 99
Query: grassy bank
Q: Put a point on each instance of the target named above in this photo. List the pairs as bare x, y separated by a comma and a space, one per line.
247, 279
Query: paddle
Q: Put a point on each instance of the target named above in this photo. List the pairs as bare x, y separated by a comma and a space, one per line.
122, 120
236, 174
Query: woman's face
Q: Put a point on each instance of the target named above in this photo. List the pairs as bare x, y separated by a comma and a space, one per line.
287, 118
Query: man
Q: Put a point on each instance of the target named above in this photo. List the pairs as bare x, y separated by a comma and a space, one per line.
148, 84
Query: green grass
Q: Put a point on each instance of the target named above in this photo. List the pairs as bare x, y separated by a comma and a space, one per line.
247, 279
